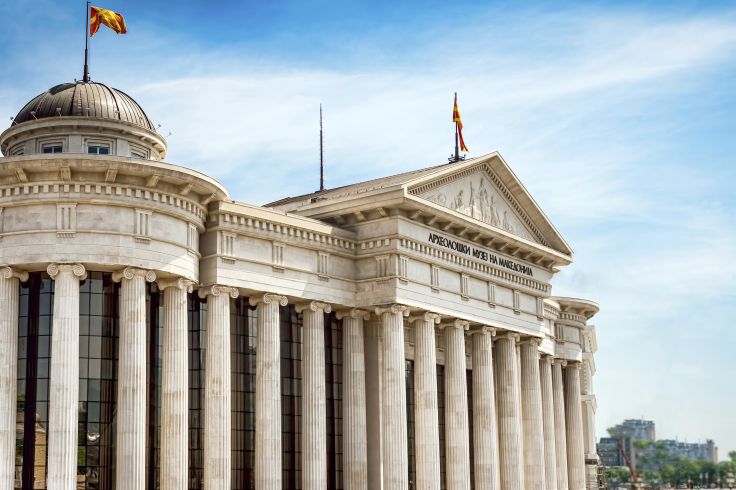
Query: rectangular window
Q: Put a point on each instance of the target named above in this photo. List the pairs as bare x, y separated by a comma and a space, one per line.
435, 278
410, 422
137, 154
243, 340
51, 149
98, 150
441, 420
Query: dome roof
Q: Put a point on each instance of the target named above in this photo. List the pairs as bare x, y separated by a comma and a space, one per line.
85, 100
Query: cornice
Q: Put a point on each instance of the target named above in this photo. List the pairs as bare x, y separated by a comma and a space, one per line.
10, 195
290, 234
492, 272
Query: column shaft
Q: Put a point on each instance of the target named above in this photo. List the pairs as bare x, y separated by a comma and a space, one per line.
574, 425
130, 443
558, 398
485, 433
427, 437
64, 378
9, 298
457, 437
314, 400
175, 388
509, 414
533, 421
354, 402
395, 454
550, 458
217, 433
268, 392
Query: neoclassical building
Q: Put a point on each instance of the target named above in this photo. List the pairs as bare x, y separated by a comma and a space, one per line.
394, 334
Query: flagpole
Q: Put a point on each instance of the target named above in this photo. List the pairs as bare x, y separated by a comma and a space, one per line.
457, 147
86, 47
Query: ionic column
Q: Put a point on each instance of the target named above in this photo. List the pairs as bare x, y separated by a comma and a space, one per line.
395, 453
355, 446
130, 442
574, 425
457, 436
314, 399
485, 433
9, 298
217, 446
509, 413
426, 423
268, 391
64, 377
175, 386
558, 399
548, 410
532, 418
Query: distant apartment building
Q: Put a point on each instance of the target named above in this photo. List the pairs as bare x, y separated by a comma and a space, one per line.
633, 432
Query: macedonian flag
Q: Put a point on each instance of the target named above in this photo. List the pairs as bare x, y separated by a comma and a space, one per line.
456, 119
113, 20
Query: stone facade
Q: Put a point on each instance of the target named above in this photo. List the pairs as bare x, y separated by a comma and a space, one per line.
446, 269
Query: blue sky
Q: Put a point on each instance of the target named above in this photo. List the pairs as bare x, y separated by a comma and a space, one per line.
618, 117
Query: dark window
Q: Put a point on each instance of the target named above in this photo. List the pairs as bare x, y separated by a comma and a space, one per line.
136, 154
34, 356
98, 150
98, 355
197, 338
52, 149
441, 420
469, 378
410, 423
333, 385
291, 397
154, 350
243, 326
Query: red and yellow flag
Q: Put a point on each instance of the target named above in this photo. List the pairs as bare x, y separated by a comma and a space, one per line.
113, 20
456, 119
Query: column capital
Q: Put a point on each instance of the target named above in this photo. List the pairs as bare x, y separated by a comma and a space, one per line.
426, 317
536, 341
176, 282
76, 269
483, 330
546, 357
131, 272
573, 365
457, 323
561, 362
313, 306
508, 336
267, 299
352, 313
217, 290
395, 308
7, 272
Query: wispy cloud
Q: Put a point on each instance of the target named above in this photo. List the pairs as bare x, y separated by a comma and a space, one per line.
606, 114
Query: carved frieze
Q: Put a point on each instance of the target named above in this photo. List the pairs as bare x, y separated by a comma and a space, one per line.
475, 194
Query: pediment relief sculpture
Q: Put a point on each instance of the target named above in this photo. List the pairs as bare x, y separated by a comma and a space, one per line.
475, 195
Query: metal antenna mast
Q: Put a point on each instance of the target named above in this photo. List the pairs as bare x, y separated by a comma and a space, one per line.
321, 154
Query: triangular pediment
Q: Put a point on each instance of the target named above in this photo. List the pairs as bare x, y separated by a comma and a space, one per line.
475, 194
486, 190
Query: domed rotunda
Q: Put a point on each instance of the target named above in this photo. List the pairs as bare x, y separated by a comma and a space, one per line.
390, 334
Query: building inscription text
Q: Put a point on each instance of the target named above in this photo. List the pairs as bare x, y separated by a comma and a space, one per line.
479, 254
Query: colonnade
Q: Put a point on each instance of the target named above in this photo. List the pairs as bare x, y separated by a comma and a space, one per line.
527, 420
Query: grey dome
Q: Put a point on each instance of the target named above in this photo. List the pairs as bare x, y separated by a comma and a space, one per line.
85, 100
